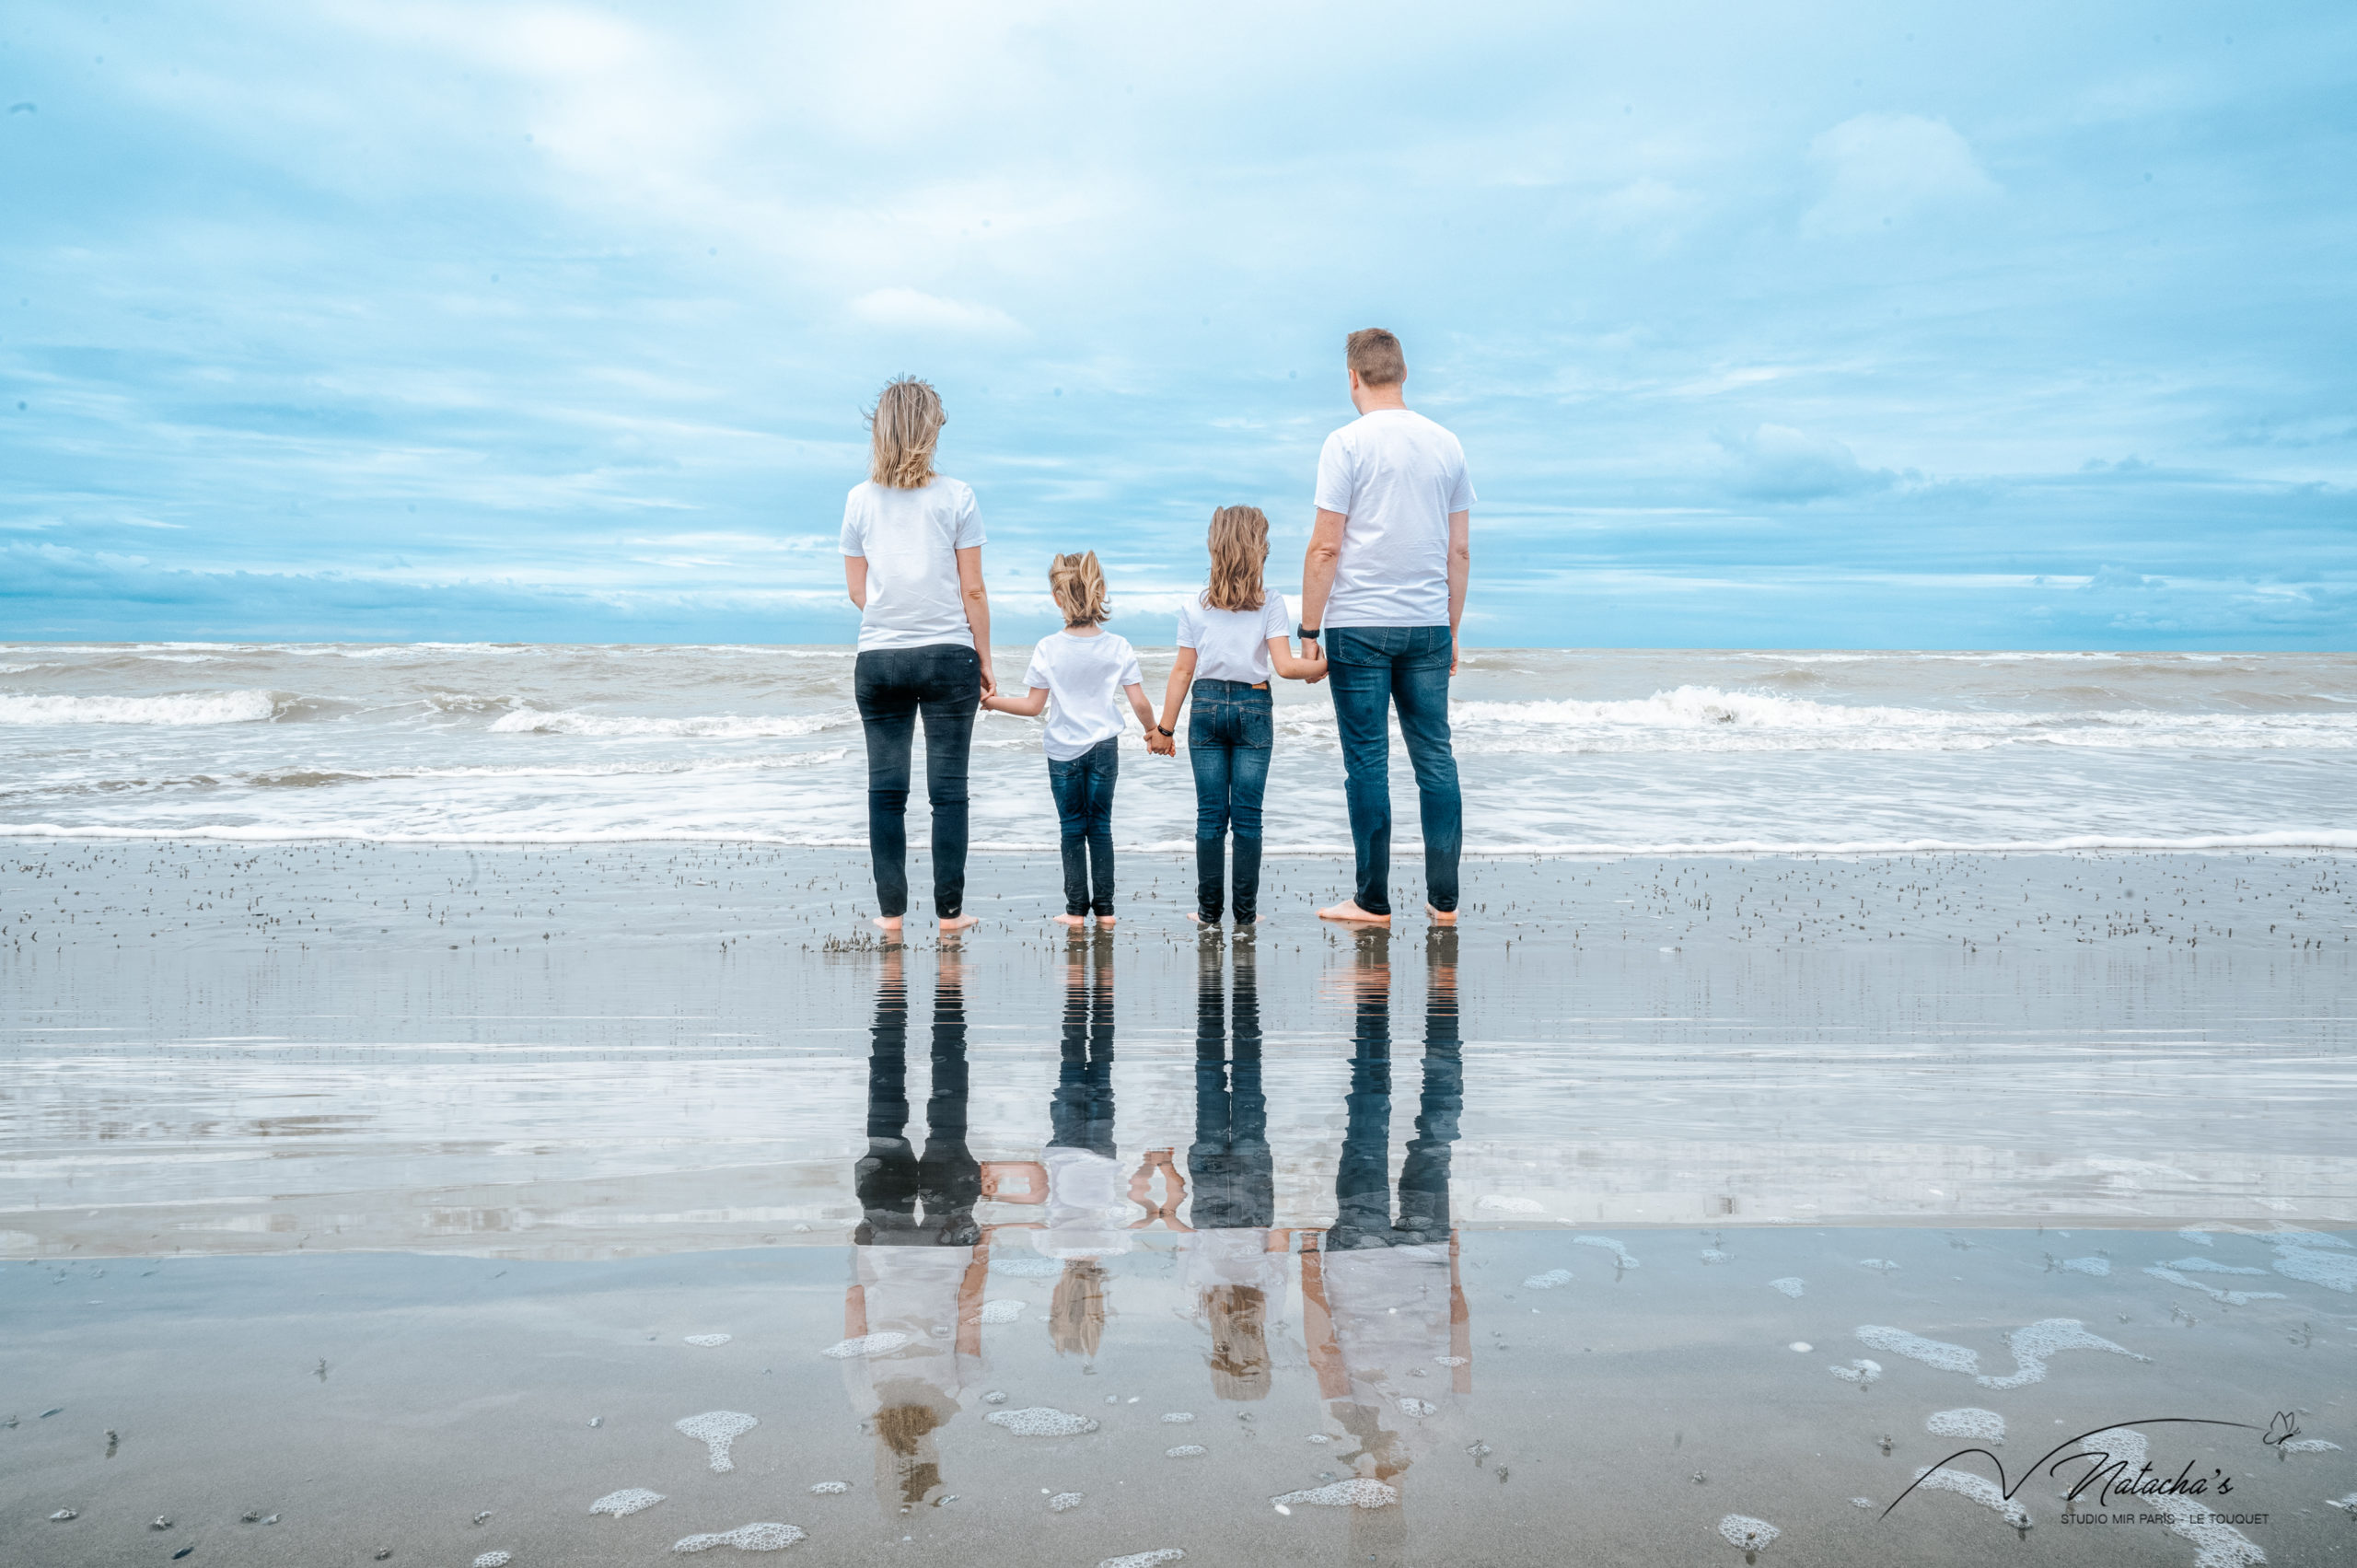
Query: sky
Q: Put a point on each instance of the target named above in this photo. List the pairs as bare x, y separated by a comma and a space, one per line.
1880, 325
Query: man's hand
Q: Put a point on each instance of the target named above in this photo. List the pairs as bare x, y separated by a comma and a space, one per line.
1315, 675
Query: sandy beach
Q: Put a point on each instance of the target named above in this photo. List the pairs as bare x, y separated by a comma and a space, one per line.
350, 1183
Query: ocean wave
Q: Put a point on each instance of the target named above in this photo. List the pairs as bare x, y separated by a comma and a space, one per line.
186, 708
308, 778
701, 727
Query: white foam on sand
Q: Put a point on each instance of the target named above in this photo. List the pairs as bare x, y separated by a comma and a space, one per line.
763, 1537
1359, 1491
707, 1341
1982, 1426
1862, 1372
2199, 1237
2206, 1266
1713, 1255
2334, 1270
2216, 1545
1145, 1559
1417, 1408
2223, 1297
1063, 1502
629, 1499
1041, 1421
2309, 1445
1177, 1417
1915, 1347
1980, 1488
1548, 1280
1627, 1259
1022, 1267
1790, 1284
716, 1430
884, 1341
1185, 1451
1879, 1265
829, 1487
1000, 1312
2032, 1345
2098, 1267
1746, 1533
495, 1560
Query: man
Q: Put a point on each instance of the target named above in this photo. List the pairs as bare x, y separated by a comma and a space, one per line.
1384, 585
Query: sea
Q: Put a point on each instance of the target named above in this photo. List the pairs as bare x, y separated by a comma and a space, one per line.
1560, 753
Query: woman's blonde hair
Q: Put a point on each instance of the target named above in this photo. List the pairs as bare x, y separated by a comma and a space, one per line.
1078, 584
1076, 1311
1239, 548
1239, 1358
901, 430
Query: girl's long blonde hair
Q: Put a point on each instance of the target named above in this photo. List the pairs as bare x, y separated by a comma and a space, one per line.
1076, 1310
1239, 549
1078, 584
901, 430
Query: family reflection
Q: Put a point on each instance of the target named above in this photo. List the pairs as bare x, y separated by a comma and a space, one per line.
1384, 1312
1234, 1260
1383, 1315
919, 1259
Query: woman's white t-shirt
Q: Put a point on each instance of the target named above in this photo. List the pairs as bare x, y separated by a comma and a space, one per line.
911, 540
1232, 645
1082, 677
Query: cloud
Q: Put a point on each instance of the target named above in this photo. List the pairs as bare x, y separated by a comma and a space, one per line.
1882, 169
1776, 462
912, 310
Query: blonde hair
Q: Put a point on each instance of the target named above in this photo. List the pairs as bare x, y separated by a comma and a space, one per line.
1078, 584
901, 430
1239, 548
1376, 355
1076, 1312
1239, 1358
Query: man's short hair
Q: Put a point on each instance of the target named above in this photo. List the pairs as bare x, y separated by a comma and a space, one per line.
1374, 354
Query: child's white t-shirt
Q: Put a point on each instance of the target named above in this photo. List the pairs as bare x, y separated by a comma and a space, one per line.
1233, 644
1082, 677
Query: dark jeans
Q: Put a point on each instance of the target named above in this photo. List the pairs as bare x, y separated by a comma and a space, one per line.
1080, 1115
1228, 736
1362, 1192
1084, 791
943, 681
1231, 1171
908, 1200
1369, 669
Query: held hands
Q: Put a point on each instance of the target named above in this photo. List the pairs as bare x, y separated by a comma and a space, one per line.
1315, 656
1161, 745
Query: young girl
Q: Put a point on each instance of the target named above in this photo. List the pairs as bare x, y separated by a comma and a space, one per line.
1080, 675
1230, 639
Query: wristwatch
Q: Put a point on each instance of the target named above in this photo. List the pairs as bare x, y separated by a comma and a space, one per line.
1166, 733
1310, 633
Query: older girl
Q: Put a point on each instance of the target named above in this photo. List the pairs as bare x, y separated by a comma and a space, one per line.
1232, 637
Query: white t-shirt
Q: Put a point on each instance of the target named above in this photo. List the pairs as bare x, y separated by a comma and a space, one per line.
1088, 1207
1396, 476
1082, 677
1232, 645
910, 539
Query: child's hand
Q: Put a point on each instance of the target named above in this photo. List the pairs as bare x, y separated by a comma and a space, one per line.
1317, 660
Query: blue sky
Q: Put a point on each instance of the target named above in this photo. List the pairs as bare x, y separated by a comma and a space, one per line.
1880, 325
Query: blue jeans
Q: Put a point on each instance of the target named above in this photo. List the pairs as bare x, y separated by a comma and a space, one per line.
1228, 736
1084, 791
892, 686
1370, 669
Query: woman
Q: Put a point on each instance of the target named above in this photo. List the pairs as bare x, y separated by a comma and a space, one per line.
913, 559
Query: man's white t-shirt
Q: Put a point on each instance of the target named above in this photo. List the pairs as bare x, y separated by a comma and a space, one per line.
1232, 645
1082, 677
1396, 476
910, 539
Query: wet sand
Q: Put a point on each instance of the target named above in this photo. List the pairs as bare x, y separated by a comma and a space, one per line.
360, 1214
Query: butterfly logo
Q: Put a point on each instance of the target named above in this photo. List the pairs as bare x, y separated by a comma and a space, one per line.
2281, 1430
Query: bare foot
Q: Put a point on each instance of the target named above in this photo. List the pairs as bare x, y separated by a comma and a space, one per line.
1349, 914
1441, 917
959, 922
1104, 922
1075, 921
1199, 920
888, 923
